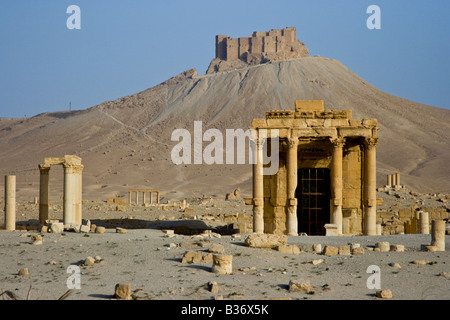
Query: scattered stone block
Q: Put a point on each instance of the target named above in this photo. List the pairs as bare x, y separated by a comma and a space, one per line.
121, 230
395, 265
445, 275
36, 239
317, 261
213, 287
23, 272
93, 227
216, 248
421, 262
429, 248
265, 240
317, 248
207, 258
44, 229
56, 227
383, 246
301, 285
89, 261
384, 294
344, 250
85, 229
122, 292
100, 229
192, 257
330, 251
358, 251
121, 208
397, 248
289, 249
222, 264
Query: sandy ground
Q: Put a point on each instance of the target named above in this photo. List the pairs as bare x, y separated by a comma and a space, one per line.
150, 262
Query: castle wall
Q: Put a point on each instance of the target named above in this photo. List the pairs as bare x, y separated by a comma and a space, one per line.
273, 41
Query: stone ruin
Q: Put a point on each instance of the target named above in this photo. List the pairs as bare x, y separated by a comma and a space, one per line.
326, 181
261, 47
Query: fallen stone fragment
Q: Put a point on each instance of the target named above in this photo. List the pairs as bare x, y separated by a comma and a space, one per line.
36, 239
122, 292
222, 264
23, 272
395, 265
317, 248
358, 251
382, 246
421, 262
289, 249
445, 275
397, 248
85, 229
213, 287
192, 257
317, 261
344, 250
384, 294
330, 251
207, 258
265, 240
57, 227
100, 229
121, 230
216, 248
300, 286
89, 261
429, 248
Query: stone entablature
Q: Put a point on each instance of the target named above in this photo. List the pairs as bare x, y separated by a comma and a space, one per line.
313, 138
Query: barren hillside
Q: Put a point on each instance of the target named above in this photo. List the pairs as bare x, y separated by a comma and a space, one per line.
127, 143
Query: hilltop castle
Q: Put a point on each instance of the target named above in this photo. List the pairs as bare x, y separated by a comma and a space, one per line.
261, 47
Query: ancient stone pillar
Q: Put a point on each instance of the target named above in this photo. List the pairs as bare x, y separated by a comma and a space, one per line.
72, 194
389, 180
129, 197
43, 193
10, 203
370, 196
438, 234
424, 222
291, 164
397, 179
258, 190
336, 183
222, 264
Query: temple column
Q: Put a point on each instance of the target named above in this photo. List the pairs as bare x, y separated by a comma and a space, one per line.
291, 165
336, 183
258, 190
72, 194
389, 180
10, 203
397, 179
370, 195
43, 193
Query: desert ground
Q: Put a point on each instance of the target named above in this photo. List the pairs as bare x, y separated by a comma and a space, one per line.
150, 260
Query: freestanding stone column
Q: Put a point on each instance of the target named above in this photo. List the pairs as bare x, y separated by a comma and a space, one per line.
72, 196
336, 183
291, 164
258, 190
370, 195
43, 193
424, 222
389, 180
397, 179
438, 234
10, 203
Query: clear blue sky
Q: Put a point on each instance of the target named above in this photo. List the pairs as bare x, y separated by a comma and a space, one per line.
125, 47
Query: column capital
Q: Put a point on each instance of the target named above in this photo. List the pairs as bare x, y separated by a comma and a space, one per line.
44, 169
292, 143
71, 168
338, 142
370, 143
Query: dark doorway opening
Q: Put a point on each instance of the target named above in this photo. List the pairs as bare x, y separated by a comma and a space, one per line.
313, 194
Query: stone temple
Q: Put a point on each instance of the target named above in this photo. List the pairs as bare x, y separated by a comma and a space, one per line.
326, 182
